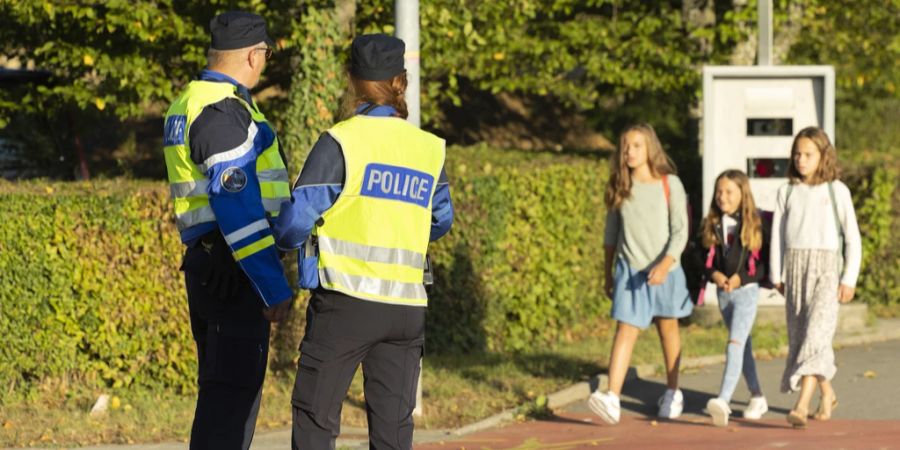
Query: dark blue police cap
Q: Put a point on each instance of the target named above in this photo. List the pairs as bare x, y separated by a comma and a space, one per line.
237, 29
376, 57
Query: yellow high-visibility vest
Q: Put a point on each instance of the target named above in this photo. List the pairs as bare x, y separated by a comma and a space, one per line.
373, 240
187, 181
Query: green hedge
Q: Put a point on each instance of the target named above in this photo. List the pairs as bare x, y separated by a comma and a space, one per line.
92, 297
877, 201
90, 292
523, 263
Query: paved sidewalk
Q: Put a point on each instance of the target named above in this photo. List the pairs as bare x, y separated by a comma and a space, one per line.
868, 416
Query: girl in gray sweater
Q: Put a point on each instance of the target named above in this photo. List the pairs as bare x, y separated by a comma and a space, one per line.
646, 231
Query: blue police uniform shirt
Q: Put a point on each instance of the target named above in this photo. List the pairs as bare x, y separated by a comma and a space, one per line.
220, 127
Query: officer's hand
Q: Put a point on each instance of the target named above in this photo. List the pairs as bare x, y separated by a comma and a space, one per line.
278, 312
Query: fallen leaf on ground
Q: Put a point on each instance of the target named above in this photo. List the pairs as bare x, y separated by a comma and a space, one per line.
870, 374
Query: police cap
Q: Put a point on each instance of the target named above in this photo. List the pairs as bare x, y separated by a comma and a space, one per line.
376, 57
237, 29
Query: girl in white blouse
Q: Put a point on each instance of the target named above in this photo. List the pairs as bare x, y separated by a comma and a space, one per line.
815, 258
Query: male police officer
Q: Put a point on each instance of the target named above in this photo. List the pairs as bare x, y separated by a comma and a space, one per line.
373, 192
226, 175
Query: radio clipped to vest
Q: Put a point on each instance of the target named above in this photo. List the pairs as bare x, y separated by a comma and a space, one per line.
428, 274
308, 266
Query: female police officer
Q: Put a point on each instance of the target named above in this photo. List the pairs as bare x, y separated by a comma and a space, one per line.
371, 195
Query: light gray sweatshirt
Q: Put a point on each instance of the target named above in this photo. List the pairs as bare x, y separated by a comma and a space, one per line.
644, 229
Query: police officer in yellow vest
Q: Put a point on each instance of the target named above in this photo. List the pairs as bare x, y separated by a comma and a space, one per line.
227, 176
371, 195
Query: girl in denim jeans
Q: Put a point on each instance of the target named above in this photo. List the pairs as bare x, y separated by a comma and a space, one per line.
732, 238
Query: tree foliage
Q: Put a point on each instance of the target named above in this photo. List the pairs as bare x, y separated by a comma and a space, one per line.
120, 56
316, 83
861, 38
578, 51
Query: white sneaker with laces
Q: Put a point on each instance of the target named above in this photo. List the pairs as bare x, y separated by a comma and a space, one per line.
606, 405
671, 404
719, 411
756, 408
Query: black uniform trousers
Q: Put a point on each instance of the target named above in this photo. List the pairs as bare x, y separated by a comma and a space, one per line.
232, 339
341, 333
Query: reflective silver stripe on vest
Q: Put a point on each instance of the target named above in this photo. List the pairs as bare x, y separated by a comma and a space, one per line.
373, 286
194, 217
371, 253
273, 175
199, 187
189, 188
234, 153
274, 204
235, 236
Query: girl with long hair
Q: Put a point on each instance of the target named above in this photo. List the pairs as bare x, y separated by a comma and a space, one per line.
815, 259
732, 238
646, 232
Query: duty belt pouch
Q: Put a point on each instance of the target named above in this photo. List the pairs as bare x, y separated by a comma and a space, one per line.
308, 268
428, 273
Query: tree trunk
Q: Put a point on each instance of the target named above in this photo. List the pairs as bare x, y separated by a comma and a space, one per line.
346, 16
79, 149
787, 33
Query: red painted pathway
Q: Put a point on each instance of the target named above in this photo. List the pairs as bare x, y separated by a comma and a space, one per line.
583, 430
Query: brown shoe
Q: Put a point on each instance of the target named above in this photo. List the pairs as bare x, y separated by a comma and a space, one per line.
797, 418
825, 408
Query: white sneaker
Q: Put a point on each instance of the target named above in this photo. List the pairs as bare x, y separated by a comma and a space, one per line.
756, 408
606, 405
719, 411
671, 404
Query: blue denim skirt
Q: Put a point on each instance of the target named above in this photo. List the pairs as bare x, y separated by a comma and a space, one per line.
636, 303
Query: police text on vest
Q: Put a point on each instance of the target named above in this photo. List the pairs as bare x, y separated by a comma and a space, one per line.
397, 183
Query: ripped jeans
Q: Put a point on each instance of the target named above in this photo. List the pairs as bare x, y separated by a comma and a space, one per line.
738, 309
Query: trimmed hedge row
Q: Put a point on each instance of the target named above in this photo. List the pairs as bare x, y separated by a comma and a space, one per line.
90, 294
523, 263
877, 200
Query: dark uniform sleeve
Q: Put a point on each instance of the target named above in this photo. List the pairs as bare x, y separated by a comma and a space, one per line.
441, 208
225, 144
317, 188
324, 165
219, 127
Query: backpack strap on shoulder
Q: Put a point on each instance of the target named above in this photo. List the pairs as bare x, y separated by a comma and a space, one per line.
838, 226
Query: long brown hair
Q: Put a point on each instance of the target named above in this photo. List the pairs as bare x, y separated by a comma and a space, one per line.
383, 92
619, 187
827, 170
751, 225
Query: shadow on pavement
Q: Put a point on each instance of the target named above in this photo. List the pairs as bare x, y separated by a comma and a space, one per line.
648, 392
